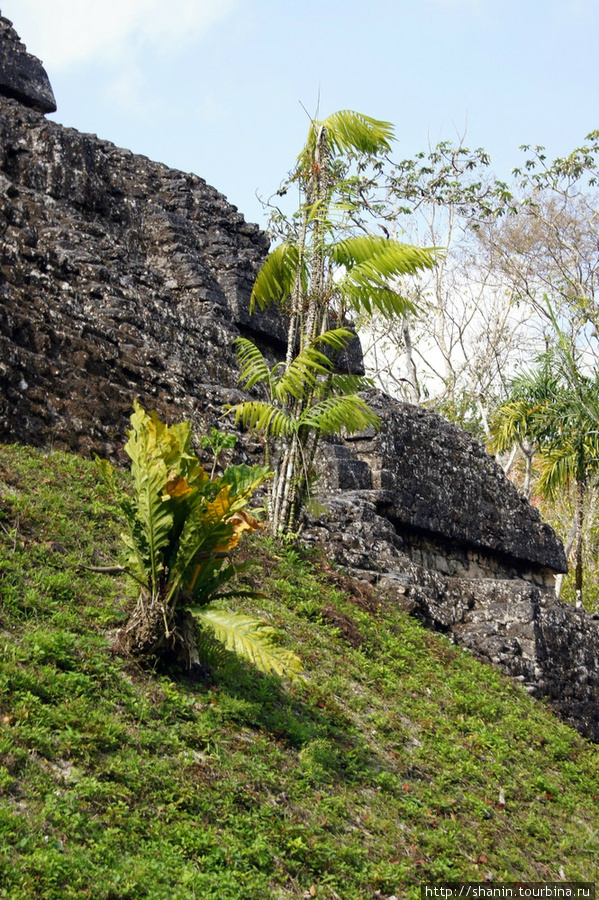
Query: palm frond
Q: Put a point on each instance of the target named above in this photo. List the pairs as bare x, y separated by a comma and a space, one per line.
335, 414
350, 132
250, 638
211, 652
344, 383
394, 258
558, 468
513, 422
372, 264
336, 338
258, 415
300, 376
253, 366
368, 295
276, 277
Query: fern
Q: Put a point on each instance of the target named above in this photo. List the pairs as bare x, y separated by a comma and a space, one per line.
251, 639
182, 528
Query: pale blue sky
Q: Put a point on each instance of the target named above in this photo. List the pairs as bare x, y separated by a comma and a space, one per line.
216, 86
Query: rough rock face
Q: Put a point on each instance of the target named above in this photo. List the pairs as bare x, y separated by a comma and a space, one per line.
121, 278
22, 76
441, 468
503, 612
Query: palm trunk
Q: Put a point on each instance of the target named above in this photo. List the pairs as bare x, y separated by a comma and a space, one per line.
559, 580
305, 324
317, 274
413, 385
284, 487
297, 299
528, 456
578, 518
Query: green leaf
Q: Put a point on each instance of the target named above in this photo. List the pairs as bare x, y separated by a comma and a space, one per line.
335, 414
244, 480
258, 415
347, 132
372, 264
151, 448
250, 638
343, 383
254, 368
299, 378
276, 277
336, 338
352, 131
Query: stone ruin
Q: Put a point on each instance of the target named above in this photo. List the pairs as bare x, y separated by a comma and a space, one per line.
122, 278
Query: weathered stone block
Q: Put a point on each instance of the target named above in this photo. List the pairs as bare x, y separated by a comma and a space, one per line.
22, 75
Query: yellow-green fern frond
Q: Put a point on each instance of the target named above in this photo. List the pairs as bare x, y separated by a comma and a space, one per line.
250, 638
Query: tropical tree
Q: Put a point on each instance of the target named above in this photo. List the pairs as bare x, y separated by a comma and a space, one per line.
545, 253
321, 274
182, 527
523, 422
557, 420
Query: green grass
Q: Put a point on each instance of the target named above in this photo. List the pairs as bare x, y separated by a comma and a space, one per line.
402, 760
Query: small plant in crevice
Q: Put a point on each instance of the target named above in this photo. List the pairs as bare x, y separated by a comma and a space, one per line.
182, 527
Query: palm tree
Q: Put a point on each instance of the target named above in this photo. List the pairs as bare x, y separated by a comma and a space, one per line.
321, 274
570, 457
522, 423
550, 416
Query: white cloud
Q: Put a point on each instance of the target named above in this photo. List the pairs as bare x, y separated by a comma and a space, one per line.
65, 33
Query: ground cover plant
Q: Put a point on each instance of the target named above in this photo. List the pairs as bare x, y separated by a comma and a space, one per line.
401, 759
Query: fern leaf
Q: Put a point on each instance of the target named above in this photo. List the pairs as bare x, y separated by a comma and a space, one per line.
251, 639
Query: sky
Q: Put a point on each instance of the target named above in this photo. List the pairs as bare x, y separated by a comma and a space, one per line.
225, 88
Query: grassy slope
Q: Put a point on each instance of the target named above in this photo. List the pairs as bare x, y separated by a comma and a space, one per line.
388, 769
